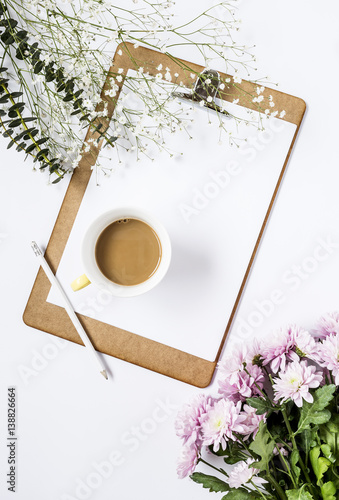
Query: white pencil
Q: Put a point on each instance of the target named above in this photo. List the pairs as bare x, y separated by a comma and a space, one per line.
68, 306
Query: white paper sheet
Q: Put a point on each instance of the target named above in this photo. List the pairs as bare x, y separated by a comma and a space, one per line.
212, 200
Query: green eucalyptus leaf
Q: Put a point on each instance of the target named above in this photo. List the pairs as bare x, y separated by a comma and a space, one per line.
21, 146
10, 144
212, 483
42, 140
21, 35
68, 97
9, 23
30, 148
41, 154
21, 51
15, 123
17, 105
328, 491
38, 67
57, 180
109, 140
69, 86
8, 132
54, 167
7, 38
78, 103
14, 114
263, 446
61, 87
78, 92
2, 70
2, 112
30, 132
316, 412
30, 119
4, 99
14, 95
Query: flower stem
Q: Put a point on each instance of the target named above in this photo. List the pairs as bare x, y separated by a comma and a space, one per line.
295, 447
221, 471
276, 486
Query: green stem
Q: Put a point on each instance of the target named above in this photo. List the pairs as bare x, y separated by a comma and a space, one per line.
258, 490
276, 486
221, 471
294, 443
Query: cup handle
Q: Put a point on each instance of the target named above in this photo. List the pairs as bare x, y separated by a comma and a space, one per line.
80, 283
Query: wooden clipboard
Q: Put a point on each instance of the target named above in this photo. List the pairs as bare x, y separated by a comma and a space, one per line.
108, 339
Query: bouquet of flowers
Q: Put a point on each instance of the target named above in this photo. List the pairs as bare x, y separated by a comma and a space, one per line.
273, 432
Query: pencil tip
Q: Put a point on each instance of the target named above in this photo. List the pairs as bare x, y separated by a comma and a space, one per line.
104, 374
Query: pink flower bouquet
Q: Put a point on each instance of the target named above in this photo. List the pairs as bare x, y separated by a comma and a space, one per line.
275, 423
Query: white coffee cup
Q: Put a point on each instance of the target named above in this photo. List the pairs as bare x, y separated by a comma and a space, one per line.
92, 271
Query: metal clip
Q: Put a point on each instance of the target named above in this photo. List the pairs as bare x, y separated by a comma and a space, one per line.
205, 89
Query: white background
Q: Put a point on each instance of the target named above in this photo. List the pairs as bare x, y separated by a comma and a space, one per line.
69, 418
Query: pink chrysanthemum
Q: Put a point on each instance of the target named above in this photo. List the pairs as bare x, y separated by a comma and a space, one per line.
221, 422
241, 385
252, 420
232, 365
188, 421
327, 325
254, 352
305, 345
242, 473
328, 355
187, 461
282, 348
296, 381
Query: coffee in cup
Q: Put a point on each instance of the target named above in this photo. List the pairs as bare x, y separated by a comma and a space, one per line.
128, 252
125, 251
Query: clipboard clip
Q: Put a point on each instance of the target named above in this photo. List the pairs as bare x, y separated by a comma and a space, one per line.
205, 90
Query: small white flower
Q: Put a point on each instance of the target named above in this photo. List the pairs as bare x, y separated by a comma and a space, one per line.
209, 99
119, 78
235, 101
237, 79
272, 104
159, 68
192, 75
222, 86
120, 52
120, 71
282, 113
